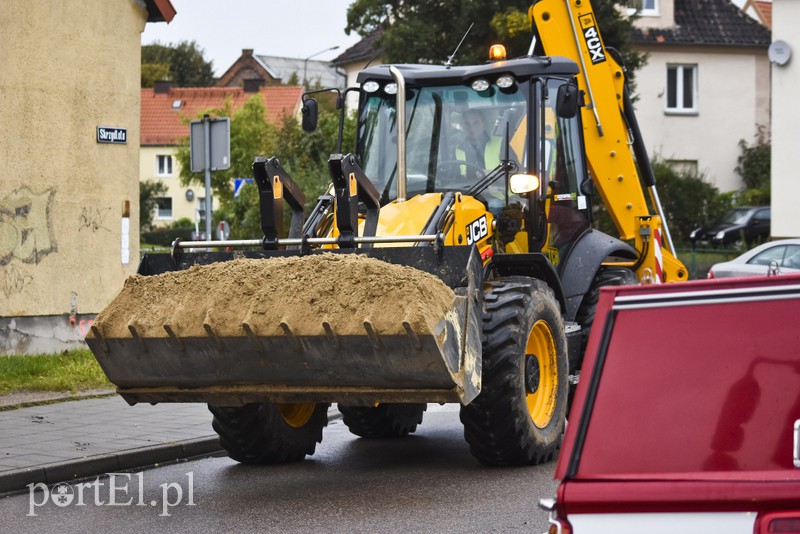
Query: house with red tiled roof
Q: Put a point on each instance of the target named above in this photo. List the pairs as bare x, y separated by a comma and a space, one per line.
165, 114
761, 10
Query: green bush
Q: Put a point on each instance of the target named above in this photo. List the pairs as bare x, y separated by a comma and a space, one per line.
165, 236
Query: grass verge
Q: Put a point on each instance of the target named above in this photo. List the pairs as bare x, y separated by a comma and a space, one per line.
71, 370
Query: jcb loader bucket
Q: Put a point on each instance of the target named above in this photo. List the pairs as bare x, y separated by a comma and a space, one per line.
409, 364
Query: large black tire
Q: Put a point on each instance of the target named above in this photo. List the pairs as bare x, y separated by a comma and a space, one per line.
519, 416
386, 420
269, 433
606, 276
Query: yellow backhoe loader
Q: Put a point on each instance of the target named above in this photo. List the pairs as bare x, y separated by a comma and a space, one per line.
453, 260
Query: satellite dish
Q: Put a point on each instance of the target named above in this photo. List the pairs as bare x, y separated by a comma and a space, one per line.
779, 53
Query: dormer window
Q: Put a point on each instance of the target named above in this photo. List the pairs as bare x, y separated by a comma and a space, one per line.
646, 8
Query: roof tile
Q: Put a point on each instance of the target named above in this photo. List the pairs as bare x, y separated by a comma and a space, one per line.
164, 126
707, 22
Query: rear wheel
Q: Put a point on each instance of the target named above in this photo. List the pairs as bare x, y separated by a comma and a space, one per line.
269, 433
518, 418
606, 276
386, 420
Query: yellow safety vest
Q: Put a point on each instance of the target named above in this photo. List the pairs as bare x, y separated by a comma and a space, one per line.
491, 154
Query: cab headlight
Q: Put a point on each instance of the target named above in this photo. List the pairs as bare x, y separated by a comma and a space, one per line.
480, 85
523, 183
720, 235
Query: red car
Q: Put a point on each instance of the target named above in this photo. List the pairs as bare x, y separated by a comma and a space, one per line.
687, 415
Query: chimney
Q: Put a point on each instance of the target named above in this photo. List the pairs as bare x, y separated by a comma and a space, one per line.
162, 86
253, 85
247, 52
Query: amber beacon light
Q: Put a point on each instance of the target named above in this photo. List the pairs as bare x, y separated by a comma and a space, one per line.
497, 52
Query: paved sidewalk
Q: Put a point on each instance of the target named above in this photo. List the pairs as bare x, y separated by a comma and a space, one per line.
83, 438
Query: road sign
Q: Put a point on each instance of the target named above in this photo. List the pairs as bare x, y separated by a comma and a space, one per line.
219, 144
112, 135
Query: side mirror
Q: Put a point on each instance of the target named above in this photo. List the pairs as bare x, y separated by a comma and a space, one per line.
309, 115
567, 101
588, 187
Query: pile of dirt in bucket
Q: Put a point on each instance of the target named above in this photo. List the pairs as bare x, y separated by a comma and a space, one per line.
301, 291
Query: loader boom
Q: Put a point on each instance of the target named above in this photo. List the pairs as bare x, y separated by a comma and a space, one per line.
615, 151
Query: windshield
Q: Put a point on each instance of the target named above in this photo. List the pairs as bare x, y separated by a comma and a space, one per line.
456, 138
738, 216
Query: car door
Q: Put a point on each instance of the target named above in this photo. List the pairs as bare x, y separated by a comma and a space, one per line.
758, 229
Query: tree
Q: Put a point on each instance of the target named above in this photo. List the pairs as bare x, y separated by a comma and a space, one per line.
754, 168
687, 199
183, 64
251, 135
149, 191
303, 155
420, 31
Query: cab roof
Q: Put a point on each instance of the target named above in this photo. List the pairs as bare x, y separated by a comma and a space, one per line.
522, 68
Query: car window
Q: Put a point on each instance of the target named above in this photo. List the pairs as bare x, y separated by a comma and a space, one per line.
771, 254
736, 216
792, 257
762, 215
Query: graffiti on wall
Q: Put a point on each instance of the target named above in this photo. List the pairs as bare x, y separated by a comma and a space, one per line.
13, 280
26, 226
93, 219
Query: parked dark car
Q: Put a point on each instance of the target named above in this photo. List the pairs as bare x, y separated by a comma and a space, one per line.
745, 225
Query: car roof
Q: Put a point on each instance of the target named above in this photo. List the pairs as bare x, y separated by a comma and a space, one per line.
745, 256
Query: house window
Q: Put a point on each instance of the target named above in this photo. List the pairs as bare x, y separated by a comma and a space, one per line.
164, 165
682, 88
164, 208
646, 8
684, 166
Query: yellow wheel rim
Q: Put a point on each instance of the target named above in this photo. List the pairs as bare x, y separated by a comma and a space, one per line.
296, 414
541, 347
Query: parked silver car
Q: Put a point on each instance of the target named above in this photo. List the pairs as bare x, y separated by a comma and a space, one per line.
776, 257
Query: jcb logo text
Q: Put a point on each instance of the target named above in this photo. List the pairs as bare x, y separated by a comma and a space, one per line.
477, 230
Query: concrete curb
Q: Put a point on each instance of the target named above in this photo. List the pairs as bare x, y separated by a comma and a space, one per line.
140, 458
17, 480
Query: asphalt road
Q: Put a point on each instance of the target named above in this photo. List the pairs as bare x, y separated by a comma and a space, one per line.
427, 482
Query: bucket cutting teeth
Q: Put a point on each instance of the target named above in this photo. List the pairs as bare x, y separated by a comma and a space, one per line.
332, 337
135, 335
412, 336
251, 335
289, 334
171, 333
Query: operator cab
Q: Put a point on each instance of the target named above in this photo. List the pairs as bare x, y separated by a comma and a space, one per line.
470, 129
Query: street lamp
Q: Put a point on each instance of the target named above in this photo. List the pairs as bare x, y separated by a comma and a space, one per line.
305, 61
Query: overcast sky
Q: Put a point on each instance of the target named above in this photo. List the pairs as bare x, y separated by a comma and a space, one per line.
296, 28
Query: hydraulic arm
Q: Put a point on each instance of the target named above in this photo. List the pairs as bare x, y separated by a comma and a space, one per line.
615, 152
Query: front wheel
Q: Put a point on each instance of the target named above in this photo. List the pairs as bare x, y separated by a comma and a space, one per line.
518, 418
270, 433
